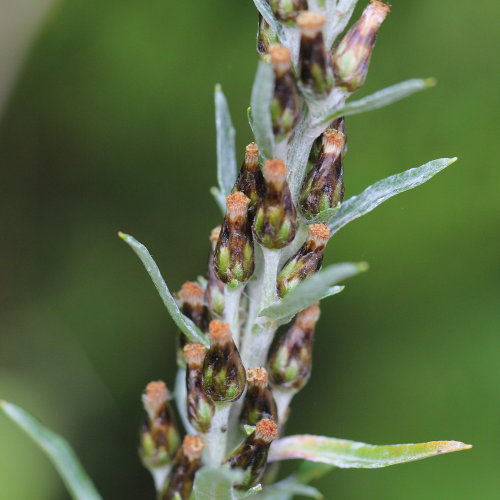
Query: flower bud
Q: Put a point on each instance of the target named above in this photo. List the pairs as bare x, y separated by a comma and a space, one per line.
351, 56
192, 304
288, 10
233, 256
323, 187
259, 401
285, 105
180, 481
306, 261
314, 62
251, 455
250, 181
224, 375
275, 219
159, 438
265, 36
214, 291
290, 356
200, 408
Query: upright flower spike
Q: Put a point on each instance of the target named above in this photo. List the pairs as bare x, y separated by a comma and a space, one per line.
351, 57
265, 36
314, 61
288, 10
259, 401
285, 104
234, 256
306, 261
214, 291
200, 408
323, 187
275, 219
250, 180
251, 455
179, 483
290, 357
224, 375
159, 438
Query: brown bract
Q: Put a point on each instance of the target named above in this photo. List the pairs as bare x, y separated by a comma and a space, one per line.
193, 446
311, 23
319, 233
194, 354
257, 376
219, 331
266, 430
307, 318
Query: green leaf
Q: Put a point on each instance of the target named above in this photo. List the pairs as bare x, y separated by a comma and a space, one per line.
265, 9
216, 483
220, 199
324, 216
373, 196
310, 471
58, 450
226, 155
287, 489
379, 99
312, 289
350, 454
262, 94
192, 332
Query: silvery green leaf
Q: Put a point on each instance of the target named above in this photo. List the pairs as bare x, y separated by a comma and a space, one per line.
324, 216
220, 199
338, 13
226, 155
58, 450
312, 289
351, 454
216, 483
262, 94
287, 489
265, 10
192, 332
379, 99
373, 196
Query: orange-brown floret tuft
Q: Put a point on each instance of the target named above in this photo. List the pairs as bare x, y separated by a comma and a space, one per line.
275, 171
266, 430
219, 331
194, 354
154, 397
214, 234
319, 233
311, 23
333, 141
193, 446
308, 317
252, 156
257, 376
191, 293
237, 204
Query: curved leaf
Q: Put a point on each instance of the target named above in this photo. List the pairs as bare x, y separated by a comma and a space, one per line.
262, 94
351, 454
378, 99
58, 450
226, 155
216, 483
287, 489
377, 193
312, 289
192, 332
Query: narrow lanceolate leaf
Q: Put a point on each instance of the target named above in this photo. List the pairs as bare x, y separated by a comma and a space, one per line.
260, 102
379, 99
312, 289
216, 483
265, 10
219, 198
58, 450
351, 454
377, 193
226, 155
192, 332
288, 489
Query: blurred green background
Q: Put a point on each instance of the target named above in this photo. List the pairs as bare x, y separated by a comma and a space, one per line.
110, 127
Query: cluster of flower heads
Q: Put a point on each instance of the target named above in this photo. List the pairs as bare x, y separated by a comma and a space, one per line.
260, 211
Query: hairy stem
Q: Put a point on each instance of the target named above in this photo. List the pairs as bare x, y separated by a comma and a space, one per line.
216, 437
232, 297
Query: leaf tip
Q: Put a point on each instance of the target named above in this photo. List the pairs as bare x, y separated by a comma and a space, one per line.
218, 87
123, 236
453, 160
363, 266
430, 82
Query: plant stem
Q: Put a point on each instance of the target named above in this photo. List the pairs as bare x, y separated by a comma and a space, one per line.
216, 437
232, 297
283, 399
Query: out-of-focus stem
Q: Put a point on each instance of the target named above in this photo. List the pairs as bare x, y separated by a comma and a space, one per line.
283, 399
232, 297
